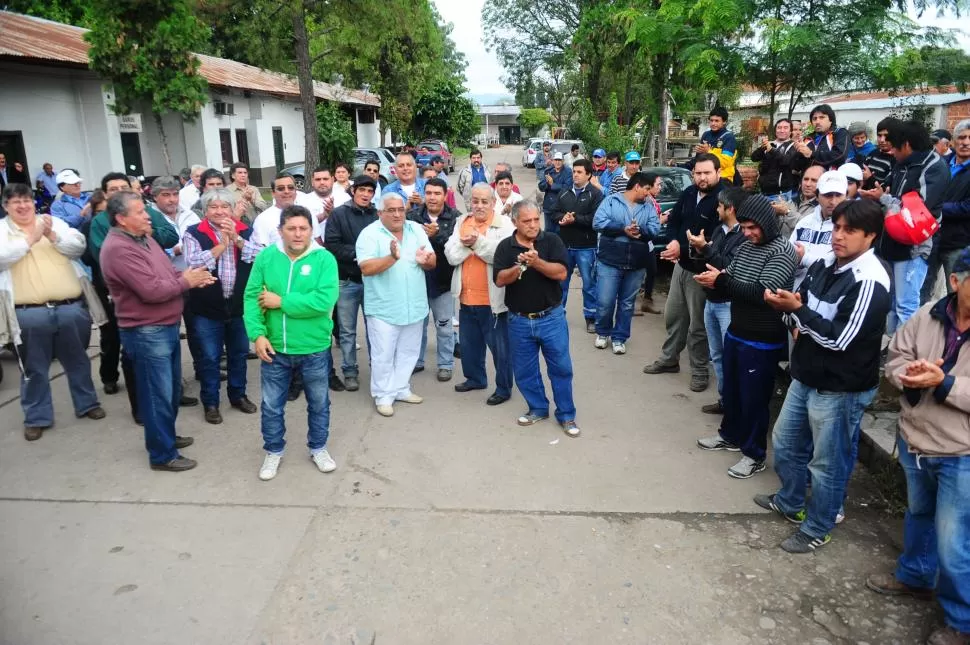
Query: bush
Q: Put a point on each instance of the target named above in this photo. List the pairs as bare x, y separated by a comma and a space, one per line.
335, 133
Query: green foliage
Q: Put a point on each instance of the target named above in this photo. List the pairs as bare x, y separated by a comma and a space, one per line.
922, 67
444, 112
534, 119
616, 136
148, 55
71, 12
335, 132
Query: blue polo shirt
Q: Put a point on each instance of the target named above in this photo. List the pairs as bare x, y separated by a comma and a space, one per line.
399, 295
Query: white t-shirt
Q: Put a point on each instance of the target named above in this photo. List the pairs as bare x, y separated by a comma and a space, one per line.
314, 203
266, 226
514, 198
408, 190
188, 196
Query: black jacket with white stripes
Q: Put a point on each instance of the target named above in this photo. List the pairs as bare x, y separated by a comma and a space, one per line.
841, 324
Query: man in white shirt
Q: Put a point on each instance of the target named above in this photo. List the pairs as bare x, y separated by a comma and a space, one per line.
812, 237
267, 224
324, 197
191, 192
505, 197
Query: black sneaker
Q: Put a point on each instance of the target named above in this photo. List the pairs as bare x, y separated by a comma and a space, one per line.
767, 502
335, 384
661, 367
801, 543
351, 383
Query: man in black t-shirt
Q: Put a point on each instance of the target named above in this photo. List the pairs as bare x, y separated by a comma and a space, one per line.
530, 264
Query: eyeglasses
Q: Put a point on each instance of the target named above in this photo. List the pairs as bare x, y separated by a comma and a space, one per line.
392, 211
285, 189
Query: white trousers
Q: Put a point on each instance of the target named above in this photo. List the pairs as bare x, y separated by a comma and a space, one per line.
394, 351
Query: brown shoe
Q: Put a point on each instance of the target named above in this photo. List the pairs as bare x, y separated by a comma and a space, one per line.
648, 306
244, 405
177, 465
33, 433
887, 585
212, 415
96, 413
948, 636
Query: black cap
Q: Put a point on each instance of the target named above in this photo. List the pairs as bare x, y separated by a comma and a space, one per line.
941, 134
437, 159
365, 180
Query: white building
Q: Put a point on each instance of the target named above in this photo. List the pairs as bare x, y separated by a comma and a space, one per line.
54, 109
500, 123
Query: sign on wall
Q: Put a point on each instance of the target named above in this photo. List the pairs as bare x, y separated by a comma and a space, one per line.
129, 122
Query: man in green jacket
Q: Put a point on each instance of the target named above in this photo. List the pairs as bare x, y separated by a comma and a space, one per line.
287, 309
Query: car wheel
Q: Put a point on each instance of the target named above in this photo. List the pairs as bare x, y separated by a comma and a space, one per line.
300, 182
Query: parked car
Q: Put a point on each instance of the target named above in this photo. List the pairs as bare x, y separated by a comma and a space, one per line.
565, 145
361, 155
439, 147
675, 182
530, 151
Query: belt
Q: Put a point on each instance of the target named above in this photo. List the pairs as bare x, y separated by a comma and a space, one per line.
52, 303
539, 314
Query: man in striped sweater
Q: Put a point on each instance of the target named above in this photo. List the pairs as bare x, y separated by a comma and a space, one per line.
839, 313
756, 337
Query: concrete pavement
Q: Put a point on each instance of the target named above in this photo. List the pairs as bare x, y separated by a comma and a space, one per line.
444, 524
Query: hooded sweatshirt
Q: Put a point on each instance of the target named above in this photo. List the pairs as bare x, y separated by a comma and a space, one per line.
308, 286
756, 267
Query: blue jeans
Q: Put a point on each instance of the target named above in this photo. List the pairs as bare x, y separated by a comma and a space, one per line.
479, 328
349, 303
749, 382
616, 291
195, 348
908, 277
156, 353
717, 319
212, 336
829, 421
63, 331
585, 259
275, 381
551, 335
442, 311
936, 538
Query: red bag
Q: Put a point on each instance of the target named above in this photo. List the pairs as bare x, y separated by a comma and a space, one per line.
910, 223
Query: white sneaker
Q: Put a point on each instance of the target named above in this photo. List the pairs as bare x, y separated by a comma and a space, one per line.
411, 398
746, 468
271, 464
385, 410
840, 517
601, 342
619, 348
324, 461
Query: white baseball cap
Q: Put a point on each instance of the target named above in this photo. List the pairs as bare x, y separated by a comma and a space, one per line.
557, 155
851, 171
833, 181
67, 177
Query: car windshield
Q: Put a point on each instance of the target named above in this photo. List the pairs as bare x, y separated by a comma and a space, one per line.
430, 146
564, 147
674, 183
387, 155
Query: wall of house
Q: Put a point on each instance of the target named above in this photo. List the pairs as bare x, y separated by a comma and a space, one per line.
63, 117
954, 113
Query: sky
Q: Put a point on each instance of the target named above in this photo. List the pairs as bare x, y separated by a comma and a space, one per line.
484, 71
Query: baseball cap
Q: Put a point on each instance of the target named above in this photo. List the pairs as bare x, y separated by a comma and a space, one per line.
364, 180
633, 155
557, 155
833, 181
437, 159
599, 152
67, 177
851, 171
936, 135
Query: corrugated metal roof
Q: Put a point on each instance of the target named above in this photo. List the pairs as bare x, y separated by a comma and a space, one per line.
885, 103
499, 110
43, 40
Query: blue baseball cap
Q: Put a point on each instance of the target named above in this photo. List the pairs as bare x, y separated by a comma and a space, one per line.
633, 155
599, 152
962, 265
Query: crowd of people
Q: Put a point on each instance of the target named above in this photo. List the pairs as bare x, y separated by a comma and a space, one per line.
839, 248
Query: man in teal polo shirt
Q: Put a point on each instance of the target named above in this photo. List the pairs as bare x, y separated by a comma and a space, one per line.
393, 255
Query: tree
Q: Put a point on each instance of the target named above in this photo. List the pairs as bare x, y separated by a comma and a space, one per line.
444, 112
336, 136
148, 56
534, 119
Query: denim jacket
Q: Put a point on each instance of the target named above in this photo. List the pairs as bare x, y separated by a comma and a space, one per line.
614, 247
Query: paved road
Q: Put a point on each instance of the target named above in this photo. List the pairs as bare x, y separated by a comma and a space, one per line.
444, 524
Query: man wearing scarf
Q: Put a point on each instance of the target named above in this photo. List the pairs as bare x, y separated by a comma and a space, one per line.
223, 246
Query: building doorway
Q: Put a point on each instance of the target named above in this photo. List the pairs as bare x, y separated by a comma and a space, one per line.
278, 148
131, 151
509, 134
